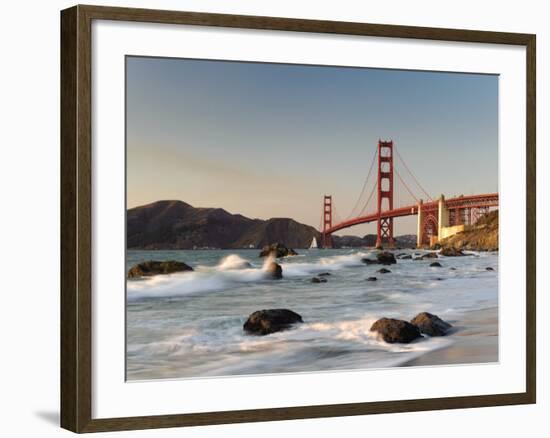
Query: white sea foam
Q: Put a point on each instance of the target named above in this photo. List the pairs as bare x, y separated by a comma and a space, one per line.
232, 262
334, 263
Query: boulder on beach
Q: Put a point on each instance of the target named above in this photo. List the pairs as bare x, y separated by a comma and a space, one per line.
372, 279
274, 270
428, 255
431, 325
435, 265
451, 252
318, 280
277, 250
396, 330
324, 274
153, 267
264, 322
383, 271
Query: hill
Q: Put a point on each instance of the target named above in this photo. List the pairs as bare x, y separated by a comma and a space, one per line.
178, 225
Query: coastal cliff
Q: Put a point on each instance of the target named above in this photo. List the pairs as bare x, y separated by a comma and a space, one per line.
483, 236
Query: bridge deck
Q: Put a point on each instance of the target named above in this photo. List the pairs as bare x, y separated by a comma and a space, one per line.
473, 201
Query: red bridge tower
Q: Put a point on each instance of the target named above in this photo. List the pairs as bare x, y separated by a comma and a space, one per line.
327, 221
384, 232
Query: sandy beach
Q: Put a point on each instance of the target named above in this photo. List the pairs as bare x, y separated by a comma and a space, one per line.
475, 340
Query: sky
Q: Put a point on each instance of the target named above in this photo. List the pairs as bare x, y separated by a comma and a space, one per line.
269, 140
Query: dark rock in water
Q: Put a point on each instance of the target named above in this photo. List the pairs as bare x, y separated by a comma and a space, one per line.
489, 269
405, 257
396, 330
428, 255
278, 250
324, 274
372, 279
369, 261
264, 322
452, 269
274, 270
439, 279
382, 258
153, 267
379, 247
386, 258
318, 280
384, 271
451, 252
435, 265
430, 324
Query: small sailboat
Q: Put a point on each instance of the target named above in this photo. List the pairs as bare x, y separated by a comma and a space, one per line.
314, 243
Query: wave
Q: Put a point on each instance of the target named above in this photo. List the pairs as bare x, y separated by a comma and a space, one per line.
232, 262
325, 264
231, 270
293, 345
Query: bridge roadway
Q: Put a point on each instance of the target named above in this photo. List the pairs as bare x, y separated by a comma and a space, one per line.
460, 202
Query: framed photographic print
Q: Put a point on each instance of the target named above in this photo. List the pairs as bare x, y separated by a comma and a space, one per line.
270, 218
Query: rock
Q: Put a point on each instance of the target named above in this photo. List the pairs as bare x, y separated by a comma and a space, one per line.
428, 255
324, 274
367, 261
435, 265
405, 257
452, 269
431, 324
386, 258
274, 270
278, 250
379, 247
439, 279
396, 330
451, 252
372, 279
382, 258
264, 322
489, 269
318, 280
384, 271
153, 267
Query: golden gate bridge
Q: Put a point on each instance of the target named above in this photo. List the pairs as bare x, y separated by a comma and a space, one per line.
436, 218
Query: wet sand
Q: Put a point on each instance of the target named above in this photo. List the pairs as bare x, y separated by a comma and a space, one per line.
475, 340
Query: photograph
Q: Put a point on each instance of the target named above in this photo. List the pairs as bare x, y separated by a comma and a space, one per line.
286, 218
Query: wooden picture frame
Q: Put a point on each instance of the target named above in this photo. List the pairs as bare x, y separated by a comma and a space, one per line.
76, 217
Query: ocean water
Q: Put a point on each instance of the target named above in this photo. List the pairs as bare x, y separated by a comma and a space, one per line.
190, 324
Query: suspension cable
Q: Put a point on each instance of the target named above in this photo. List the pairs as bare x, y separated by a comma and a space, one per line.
368, 200
412, 174
406, 186
364, 185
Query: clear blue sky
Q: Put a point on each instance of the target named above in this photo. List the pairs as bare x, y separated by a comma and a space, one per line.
269, 140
